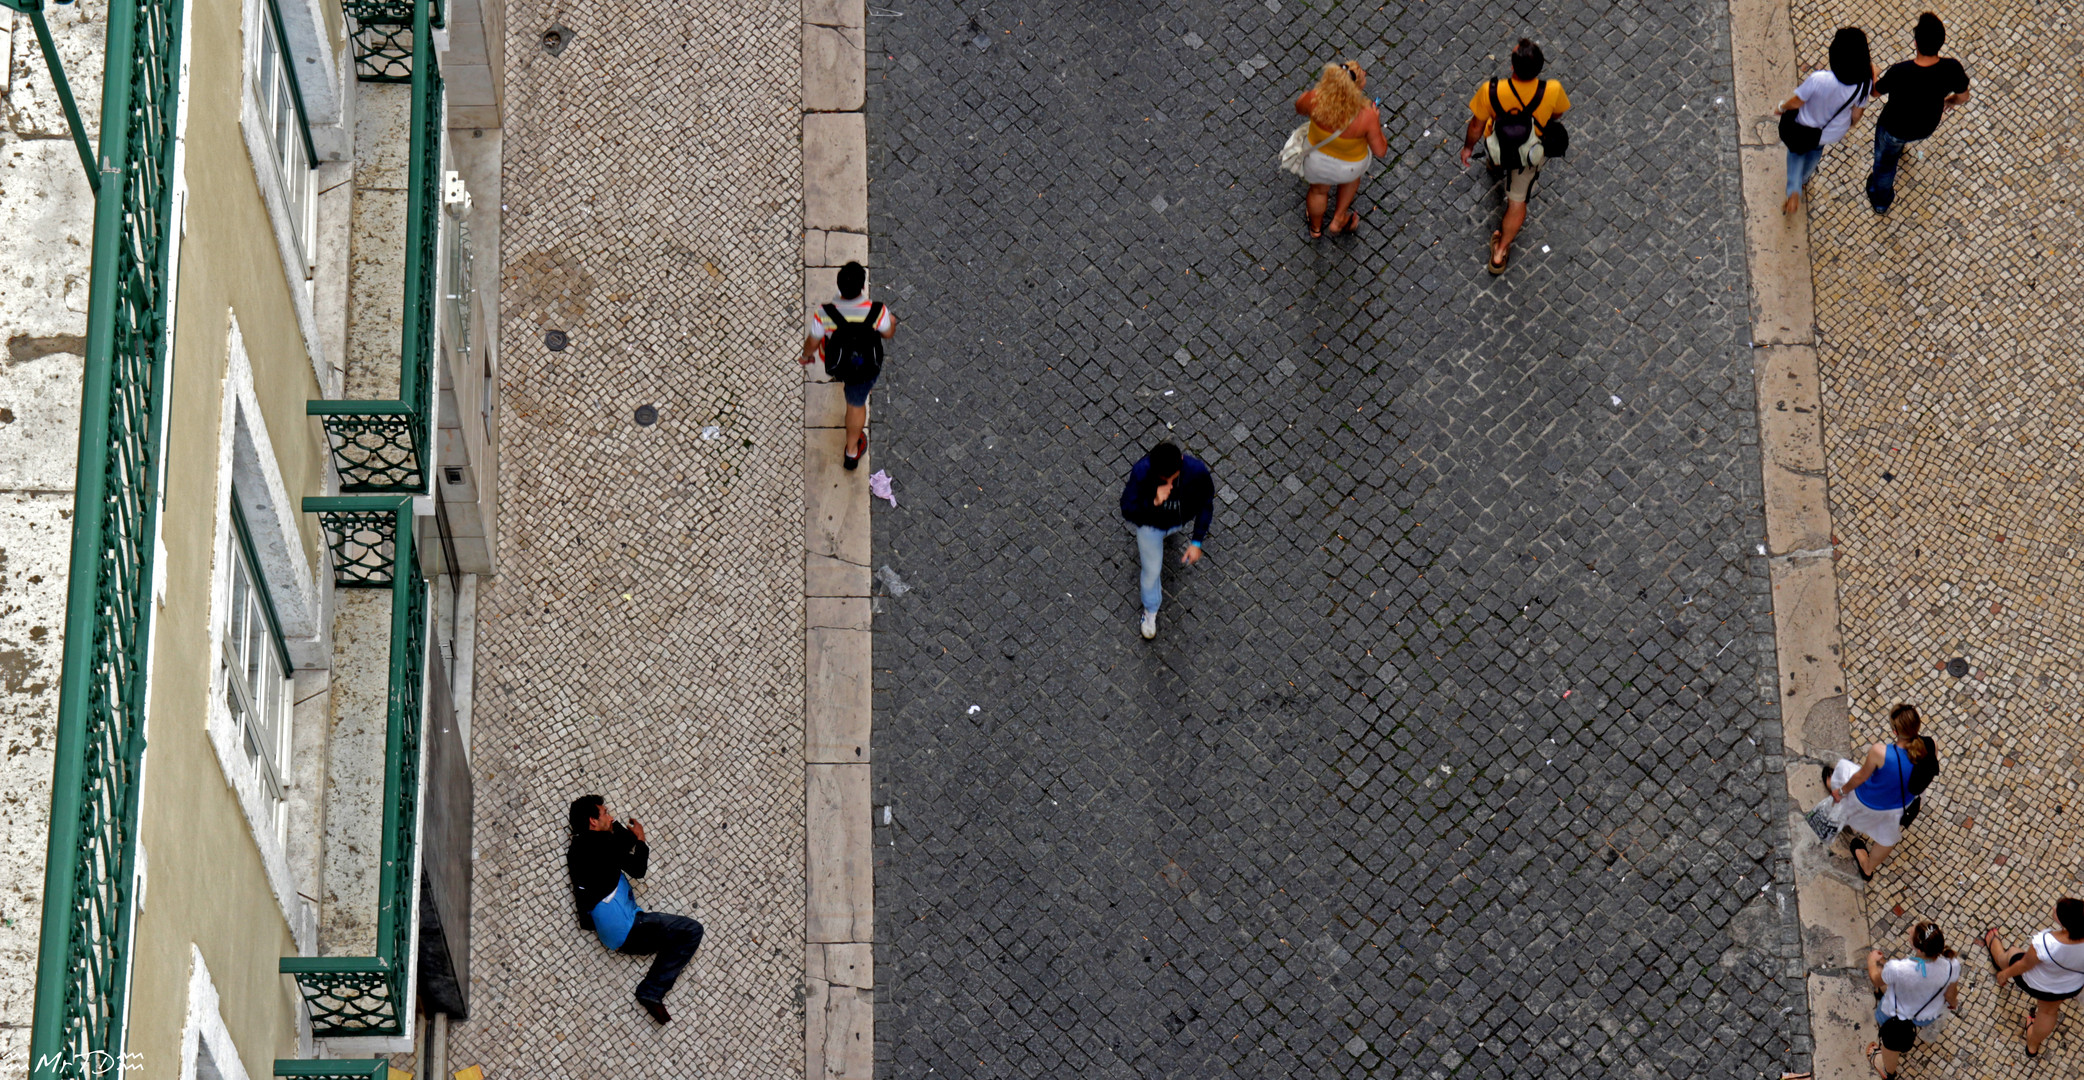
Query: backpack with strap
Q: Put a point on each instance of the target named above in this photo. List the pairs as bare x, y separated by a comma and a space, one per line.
854, 350
1514, 142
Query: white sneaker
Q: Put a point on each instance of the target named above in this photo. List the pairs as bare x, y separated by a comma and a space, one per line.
1150, 625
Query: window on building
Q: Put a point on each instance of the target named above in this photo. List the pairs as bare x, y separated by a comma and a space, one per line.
256, 677
282, 128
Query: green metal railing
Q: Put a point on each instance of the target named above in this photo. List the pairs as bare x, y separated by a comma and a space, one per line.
371, 537
83, 959
334, 1069
386, 43
384, 447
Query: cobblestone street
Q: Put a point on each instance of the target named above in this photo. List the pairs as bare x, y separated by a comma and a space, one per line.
1945, 335
1460, 752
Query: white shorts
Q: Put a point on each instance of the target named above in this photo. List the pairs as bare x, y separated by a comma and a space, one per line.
1322, 168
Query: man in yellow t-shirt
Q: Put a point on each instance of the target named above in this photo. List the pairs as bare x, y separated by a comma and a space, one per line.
1525, 88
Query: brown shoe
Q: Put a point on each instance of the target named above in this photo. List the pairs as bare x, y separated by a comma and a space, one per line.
657, 1009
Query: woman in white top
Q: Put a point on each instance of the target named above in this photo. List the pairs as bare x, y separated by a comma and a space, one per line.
1831, 101
2050, 969
1914, 992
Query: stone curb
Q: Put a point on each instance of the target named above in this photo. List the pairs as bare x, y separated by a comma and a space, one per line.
839, 854
1803, 560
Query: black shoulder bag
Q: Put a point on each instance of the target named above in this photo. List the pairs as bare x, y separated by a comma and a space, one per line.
1800, 137
1913, 790
1900, 1034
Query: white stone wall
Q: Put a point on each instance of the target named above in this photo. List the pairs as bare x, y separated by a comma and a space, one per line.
46, 233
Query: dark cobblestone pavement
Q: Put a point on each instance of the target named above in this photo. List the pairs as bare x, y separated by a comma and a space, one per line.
1458, 756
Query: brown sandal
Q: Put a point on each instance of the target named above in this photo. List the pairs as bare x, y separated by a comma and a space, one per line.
1497, 267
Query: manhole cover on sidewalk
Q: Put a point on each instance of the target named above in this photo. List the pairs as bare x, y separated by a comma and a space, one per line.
646, 416
1957, 667
556, 341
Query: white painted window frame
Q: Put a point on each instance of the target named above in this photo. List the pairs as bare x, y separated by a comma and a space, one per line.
207, 1050
288, 183
246, 453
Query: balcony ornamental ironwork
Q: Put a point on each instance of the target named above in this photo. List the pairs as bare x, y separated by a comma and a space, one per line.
384, 447
83, 958
371, 538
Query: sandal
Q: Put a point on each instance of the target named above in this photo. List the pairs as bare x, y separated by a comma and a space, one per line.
1874, 1059
1352, 224
1983, 939
1858, 845
2031, 1015
1495, 266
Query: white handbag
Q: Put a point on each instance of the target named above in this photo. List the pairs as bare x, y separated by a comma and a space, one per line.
1297, 150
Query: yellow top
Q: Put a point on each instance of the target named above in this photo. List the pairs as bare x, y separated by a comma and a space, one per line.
1514, 94
1344, 148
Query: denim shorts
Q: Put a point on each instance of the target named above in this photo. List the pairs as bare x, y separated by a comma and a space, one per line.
857, 392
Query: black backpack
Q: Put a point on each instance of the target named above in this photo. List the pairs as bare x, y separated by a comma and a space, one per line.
1514, 130
854, 350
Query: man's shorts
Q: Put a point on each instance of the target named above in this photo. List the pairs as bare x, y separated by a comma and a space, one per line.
1519, 183
857, 393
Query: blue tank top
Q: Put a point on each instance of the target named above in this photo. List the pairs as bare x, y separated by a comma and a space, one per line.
1889, 787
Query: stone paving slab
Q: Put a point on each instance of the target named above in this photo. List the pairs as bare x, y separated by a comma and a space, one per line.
645, 637
1946, 341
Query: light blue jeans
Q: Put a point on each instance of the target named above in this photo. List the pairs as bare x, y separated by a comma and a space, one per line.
1800, 167
1150, 553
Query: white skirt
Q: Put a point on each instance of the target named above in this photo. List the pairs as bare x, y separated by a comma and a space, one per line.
1322, 168
1884, 827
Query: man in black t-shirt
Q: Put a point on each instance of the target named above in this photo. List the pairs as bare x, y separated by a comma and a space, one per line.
1920, 91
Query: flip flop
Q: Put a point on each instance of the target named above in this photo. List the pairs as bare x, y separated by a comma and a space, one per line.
2031, 1015
1353, 224
1983, 939
1858, 845
1874, 1059
1491, 255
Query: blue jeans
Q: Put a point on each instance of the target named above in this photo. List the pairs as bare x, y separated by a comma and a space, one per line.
671, 941
1800, 167
1150, 554
1881, 183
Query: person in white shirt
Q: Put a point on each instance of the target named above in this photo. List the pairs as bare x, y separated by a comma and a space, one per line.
1829, 101
1914, 993
2050, 969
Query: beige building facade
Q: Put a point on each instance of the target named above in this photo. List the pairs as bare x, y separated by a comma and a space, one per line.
248, 465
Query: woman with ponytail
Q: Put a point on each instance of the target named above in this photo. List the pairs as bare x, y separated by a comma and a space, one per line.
1914, 993
1884, 789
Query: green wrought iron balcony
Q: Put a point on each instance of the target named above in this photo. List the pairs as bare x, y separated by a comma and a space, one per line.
90, 868
371, 541
384, 447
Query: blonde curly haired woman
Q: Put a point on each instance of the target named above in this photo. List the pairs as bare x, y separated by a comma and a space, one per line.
1345, 135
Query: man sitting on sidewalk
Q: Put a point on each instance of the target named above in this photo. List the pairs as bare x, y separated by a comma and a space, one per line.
603, 857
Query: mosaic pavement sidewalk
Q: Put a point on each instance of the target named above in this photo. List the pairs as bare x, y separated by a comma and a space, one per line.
1946, 336
644, 638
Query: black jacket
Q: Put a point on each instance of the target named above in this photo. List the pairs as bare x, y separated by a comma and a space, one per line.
1193, 497
597, 860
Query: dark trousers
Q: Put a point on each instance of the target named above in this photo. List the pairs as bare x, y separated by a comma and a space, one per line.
1888, 153
673, 938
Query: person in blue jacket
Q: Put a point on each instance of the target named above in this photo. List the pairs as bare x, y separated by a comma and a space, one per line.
1166, 492
604, 855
